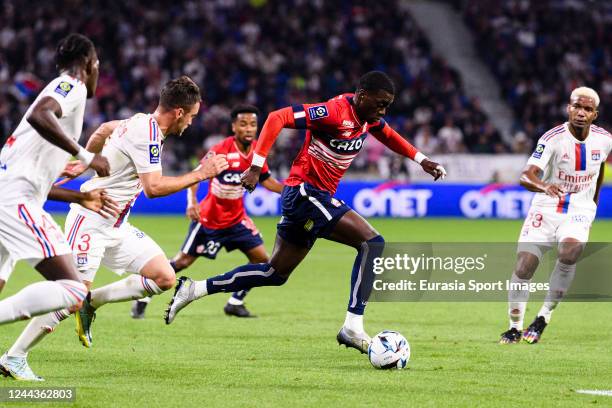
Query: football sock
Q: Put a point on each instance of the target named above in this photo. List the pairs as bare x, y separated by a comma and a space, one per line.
517, 301
560, 281
132, 287
41, 297
362, 276
354, 322
35, 331
174, 267
243, 277
237, 298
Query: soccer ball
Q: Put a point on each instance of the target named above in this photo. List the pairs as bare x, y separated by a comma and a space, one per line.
389, 349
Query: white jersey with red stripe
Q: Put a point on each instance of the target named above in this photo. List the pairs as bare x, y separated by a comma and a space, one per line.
28, 163
133, 148
572, 164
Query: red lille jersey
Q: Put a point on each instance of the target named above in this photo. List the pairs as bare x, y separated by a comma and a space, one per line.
223, 206
334, 137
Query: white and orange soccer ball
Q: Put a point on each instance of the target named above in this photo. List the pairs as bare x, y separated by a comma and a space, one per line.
389, 350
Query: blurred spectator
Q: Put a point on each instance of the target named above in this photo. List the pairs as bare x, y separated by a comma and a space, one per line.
451, 137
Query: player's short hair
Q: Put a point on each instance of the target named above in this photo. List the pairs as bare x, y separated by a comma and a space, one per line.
181, 92
238, 109
587, 93
73, 49
375, 81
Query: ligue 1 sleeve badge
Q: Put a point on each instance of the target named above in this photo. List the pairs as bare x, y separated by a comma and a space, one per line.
154, 153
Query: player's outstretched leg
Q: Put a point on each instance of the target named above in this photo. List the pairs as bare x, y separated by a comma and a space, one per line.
355, 231
518, 294
63, 289
154, 277
285, 257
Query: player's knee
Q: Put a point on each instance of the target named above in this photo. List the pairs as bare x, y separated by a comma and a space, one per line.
165, 281
569, 256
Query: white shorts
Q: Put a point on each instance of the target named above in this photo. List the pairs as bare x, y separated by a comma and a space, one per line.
542, 229
28, 232
95, 241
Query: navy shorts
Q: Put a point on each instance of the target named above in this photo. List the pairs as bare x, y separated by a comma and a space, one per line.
206, 242
308, 213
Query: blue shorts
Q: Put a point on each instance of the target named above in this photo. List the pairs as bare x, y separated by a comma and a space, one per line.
308, 213
206, 242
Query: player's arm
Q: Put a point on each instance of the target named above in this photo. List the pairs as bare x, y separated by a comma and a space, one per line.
95, 200
98, 137
394, 141
275, 122
44, 119
156, 185
600, 179
192, 202
531, 180
272, 184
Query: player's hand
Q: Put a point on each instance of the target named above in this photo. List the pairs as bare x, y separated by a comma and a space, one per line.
554, 190
192, 212
98, 201
73, 169
433, 168
250, 178
213, 165
100, 165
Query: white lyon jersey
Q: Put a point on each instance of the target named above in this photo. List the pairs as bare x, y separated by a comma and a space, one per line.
28, 163
572, 164
134, 147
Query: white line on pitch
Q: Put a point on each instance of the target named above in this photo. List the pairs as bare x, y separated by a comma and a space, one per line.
607, 393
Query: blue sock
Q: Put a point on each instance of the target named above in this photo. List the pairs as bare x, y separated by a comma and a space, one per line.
174, 267
241, 294
362, 276
244, 277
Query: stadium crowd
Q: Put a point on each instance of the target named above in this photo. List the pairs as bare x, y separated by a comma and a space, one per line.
267, 53
541, 50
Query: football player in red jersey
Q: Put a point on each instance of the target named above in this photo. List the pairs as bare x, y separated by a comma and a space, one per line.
336, 130
220, 220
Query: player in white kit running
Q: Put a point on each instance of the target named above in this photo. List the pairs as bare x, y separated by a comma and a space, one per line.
133, 148
30, 161
566, 171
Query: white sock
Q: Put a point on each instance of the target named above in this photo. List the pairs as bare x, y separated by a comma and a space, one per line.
560, 281
199, 289
517, 302
131, 288
41, 297
35, 331
233, 301
354, 322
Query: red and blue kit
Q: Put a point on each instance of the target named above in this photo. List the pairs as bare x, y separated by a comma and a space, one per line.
334, 137
223, 219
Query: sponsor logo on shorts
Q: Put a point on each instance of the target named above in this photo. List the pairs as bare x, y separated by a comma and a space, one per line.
335, 202
64, 88
318, 112
538, 151
309, 224
81, 259
154, 153
199, 249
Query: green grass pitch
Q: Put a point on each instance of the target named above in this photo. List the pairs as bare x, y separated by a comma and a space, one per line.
289, 356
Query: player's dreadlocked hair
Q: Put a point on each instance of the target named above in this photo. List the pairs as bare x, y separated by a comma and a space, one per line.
181, 92
73, 49
238, 109
376, 80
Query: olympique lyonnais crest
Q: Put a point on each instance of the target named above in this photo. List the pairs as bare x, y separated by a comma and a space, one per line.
595, 155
